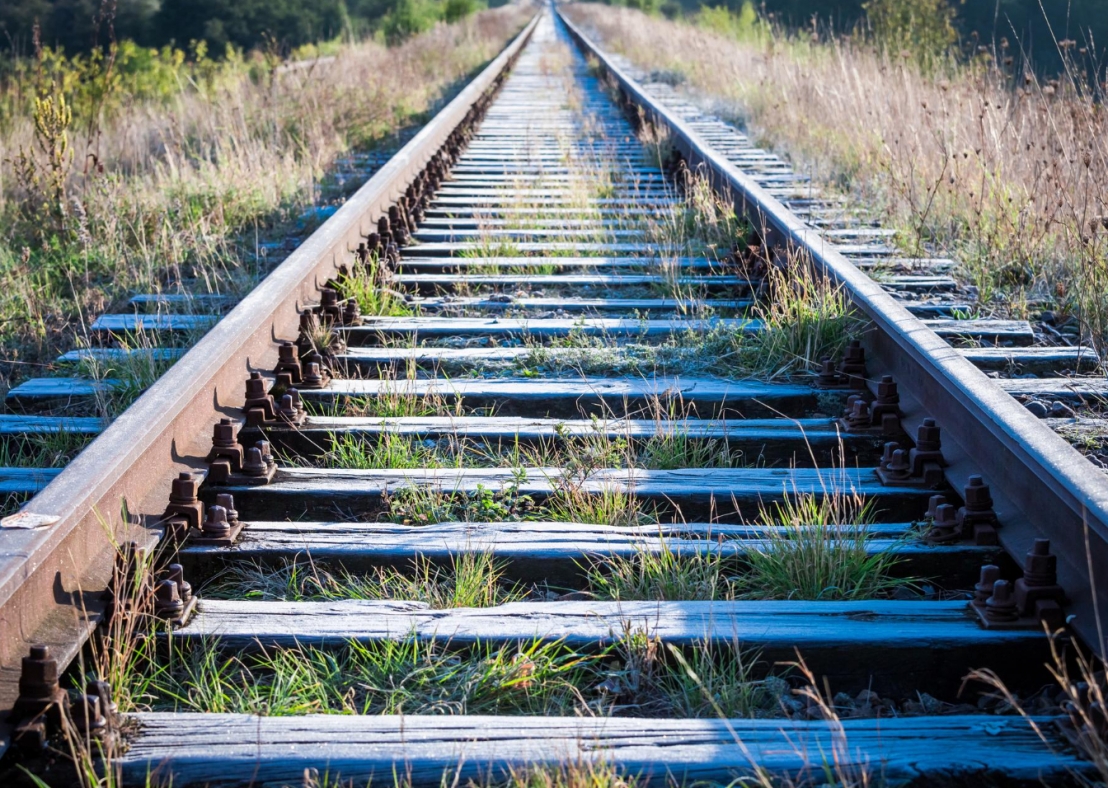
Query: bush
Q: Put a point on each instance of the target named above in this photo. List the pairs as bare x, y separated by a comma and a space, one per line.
408, 18
458, 9
922, 28
744, 25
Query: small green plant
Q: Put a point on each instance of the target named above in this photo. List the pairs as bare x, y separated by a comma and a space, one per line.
471, 579
817, 547
648, 678
406, 676
371, 286
43, 173
385, 450
424, 505
659, 575
611, 504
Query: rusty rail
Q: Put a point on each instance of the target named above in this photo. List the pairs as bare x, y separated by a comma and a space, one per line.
1042, 486
52, 576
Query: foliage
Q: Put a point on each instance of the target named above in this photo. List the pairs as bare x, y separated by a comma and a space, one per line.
923, 28
742, 25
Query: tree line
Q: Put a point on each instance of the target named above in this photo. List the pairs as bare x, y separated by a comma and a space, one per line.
81, 25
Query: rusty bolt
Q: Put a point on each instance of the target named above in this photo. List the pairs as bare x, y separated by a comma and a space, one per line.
927, 436
1001, 606
977, 495
215, 524
177, 575
297, 402
288, 360
287, 409
103, 690
225, 444
933, 504
267, 454
225, 434
184, 489
313, 378
383, 228
255, 387
891, 448
373, 243
227, 501
1040, 567
898, 467
859, 415
351, 314
309, 322
854, 360
38, 683
887, 393
87, 717
945, 527
254, 464
990, 573
329, 297
167, 601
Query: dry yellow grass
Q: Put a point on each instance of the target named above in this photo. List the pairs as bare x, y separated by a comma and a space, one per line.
1004, 172
191, 182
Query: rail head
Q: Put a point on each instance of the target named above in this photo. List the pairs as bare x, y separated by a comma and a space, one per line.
1042, 487
51, 577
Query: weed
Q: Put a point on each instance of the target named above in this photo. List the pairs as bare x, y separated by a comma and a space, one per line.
816, 547
472, 579
661, 574
407, 676
647, 678
386, 450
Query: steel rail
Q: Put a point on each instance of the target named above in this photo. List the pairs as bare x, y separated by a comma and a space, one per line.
1042, 487
52, 577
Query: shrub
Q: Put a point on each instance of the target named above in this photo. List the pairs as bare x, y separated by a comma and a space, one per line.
922, 28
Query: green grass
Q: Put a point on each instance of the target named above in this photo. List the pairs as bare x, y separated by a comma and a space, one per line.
420, 505
650, 679
817, 547
638, 676
134, 370
371, 286
408, 676
42, 450
660, 575
386, 450
472, 579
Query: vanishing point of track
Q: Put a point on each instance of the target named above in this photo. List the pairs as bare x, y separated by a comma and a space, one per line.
480, 226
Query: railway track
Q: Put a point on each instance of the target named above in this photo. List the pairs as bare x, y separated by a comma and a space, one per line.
524, 504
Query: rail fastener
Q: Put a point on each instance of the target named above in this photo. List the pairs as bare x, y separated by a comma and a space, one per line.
1033, 601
